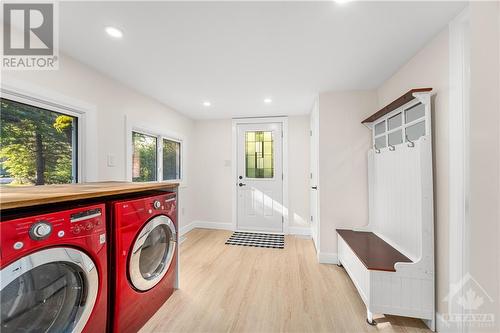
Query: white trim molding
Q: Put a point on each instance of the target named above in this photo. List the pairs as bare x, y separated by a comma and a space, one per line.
284, 124
328, 258
302, 231
187, 228
459, 216
87, 139
138, 126
205, 225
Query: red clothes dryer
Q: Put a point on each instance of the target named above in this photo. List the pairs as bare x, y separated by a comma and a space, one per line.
144, 258
53, 275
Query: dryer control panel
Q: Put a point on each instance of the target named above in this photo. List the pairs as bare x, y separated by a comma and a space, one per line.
138, 211
58, 228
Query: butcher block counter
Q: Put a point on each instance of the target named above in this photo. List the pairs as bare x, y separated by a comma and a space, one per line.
19, 197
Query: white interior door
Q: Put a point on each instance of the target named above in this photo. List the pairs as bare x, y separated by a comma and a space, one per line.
314, 173
260, 177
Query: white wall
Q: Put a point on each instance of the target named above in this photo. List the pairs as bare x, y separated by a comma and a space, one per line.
211, 177
298, 173
430, 68
212, 174
343, 173
484, 153
112, 102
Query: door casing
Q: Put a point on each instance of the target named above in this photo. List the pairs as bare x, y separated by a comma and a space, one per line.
314, 195
234, 174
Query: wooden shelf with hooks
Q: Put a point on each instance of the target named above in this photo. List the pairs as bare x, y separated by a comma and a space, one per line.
402, 100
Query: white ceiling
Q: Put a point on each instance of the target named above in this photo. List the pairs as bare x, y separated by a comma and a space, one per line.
235, 54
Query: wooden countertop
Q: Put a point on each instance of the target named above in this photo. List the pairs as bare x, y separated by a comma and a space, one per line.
372, 250
26, 196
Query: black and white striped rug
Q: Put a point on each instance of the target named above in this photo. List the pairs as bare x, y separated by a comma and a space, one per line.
257, 240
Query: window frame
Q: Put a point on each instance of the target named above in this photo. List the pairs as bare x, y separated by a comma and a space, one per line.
159, 153
78, 157
181, 157
157, 149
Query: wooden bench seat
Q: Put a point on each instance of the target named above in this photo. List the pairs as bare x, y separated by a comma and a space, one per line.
372, 251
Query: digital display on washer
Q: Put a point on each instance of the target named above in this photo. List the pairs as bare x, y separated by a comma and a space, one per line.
85, 215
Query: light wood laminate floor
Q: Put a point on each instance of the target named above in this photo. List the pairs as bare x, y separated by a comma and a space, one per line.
227, 288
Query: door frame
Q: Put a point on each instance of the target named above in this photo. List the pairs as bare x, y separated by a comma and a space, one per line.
459, 151
314, 150
261, 120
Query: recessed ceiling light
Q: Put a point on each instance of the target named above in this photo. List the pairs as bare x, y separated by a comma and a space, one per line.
114, 32
268, 100
341, 2
207, 103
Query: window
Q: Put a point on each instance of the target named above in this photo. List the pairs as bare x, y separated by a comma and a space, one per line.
171, 159
144, 157
259, 154
37, 146
155, 157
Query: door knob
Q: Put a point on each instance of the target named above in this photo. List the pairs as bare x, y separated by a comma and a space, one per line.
314, 187
241, 184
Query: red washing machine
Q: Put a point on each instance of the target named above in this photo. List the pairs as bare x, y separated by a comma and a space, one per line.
144, 258
53, 275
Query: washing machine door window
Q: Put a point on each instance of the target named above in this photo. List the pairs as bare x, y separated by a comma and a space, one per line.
152, 253
53, 290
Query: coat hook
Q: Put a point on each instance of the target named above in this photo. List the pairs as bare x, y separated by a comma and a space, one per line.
392, 148
376, 149
410, 143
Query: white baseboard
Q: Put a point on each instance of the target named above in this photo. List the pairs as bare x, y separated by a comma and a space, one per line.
182, 239
213, 225
205, 225
328, 258
303, 231
187, 228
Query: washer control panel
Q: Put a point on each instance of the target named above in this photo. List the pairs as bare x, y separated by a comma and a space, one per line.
85, 220
53, 229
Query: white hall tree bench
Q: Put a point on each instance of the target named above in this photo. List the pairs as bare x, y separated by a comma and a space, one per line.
391, 260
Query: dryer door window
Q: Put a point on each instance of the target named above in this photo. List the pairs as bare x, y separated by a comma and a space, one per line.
53, 290
152, 253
